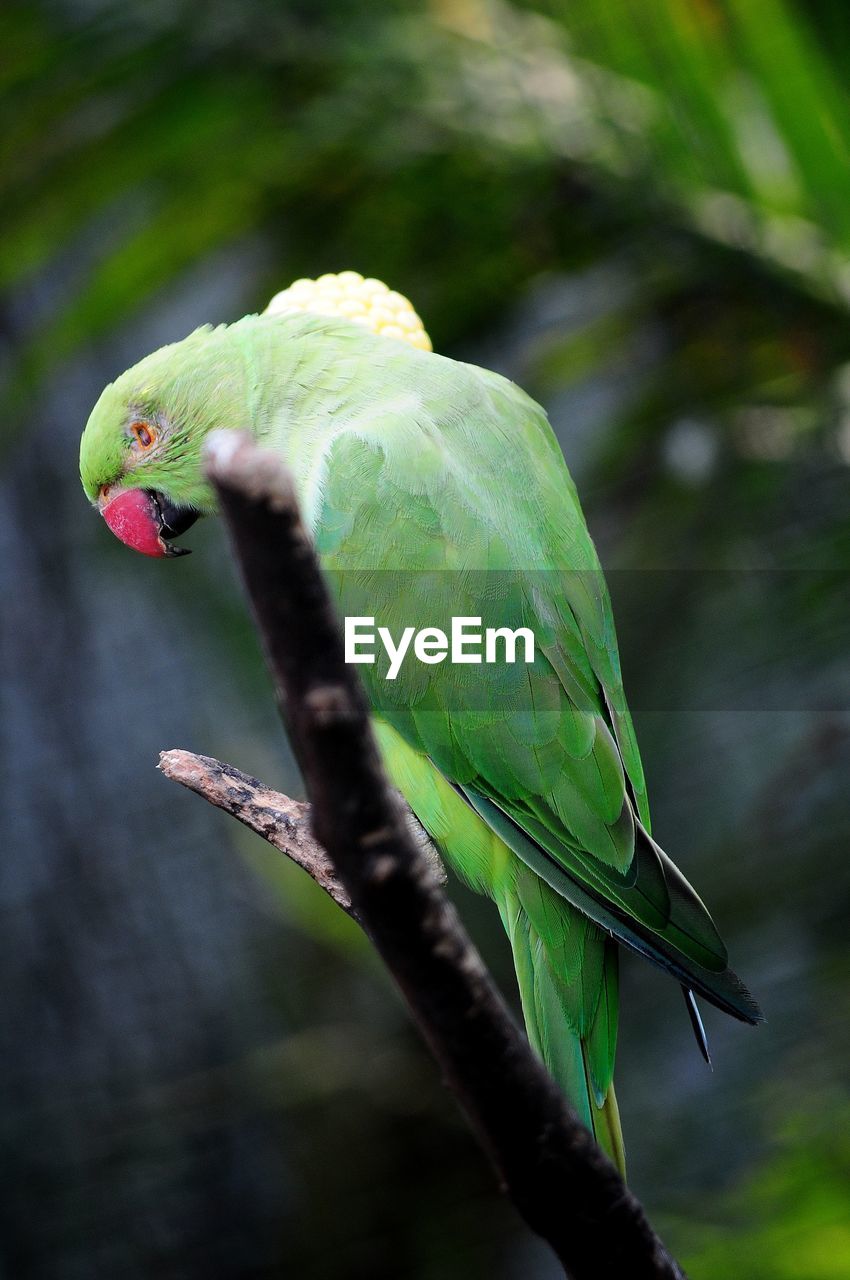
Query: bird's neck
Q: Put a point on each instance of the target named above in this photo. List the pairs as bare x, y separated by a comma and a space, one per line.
301, 385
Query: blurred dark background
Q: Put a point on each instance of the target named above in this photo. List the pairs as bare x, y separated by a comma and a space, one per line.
641, 212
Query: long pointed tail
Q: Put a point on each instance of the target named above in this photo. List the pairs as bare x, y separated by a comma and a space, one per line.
567, 974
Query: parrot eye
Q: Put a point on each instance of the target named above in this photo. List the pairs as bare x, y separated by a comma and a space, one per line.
143, 434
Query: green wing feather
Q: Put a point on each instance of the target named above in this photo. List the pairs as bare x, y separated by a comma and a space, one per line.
450, 495
470, 496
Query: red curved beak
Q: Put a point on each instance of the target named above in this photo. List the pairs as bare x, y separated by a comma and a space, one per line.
135, 516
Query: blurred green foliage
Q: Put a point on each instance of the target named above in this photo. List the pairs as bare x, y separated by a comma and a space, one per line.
147, 136
642, 213
790, 1219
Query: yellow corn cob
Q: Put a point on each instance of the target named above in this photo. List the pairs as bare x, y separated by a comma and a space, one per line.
366, 302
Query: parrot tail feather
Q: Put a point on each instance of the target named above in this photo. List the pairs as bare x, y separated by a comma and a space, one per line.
553, 1032
697, 1023
607, 1131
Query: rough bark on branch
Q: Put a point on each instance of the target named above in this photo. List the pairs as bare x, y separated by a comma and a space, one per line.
284, 823
558, 1178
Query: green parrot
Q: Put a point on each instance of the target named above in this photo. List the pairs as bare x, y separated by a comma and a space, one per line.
435, 490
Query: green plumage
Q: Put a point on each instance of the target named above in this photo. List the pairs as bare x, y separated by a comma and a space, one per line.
434, 489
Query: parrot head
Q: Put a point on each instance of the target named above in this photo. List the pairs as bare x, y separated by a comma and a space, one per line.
140, 454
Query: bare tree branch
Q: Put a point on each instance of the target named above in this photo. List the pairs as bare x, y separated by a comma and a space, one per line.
558, 1178
284, 823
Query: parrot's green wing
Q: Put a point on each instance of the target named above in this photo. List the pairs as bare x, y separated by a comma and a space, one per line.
460, 502
434, 491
